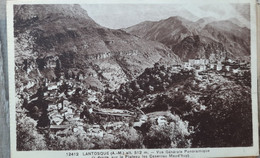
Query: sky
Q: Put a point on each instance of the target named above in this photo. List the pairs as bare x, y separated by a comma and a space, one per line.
117, 16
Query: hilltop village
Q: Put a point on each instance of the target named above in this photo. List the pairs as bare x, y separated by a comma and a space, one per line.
228, 66
65, 106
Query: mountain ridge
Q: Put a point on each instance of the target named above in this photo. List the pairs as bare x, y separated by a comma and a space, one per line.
174, 30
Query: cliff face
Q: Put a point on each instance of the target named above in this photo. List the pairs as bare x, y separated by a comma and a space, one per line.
67, 33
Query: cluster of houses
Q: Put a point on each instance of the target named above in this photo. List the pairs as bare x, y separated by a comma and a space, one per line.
65, 116
223, 66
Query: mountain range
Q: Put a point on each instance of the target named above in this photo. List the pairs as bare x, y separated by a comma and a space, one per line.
109, 57
204, 38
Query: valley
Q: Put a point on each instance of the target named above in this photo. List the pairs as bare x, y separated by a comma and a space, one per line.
167, 84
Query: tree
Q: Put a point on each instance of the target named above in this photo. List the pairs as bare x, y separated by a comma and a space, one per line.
126, 138
172, 135
72, 142
57, 70
41, 63
179, 105
76, 97
162, 68
25, 63
158, 137
86, 114
156, 66
227, 120
151, 88
44, 120
28, 138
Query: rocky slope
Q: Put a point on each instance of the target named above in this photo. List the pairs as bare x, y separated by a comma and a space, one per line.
236, 39
168, 31
65, 38
205, 37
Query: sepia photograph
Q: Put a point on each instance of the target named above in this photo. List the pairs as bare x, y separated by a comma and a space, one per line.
95, 76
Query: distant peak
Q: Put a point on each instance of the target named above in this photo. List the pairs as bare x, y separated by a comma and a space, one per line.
206, 19
176, 18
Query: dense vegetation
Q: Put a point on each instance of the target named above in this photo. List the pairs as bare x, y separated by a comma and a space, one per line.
152, 81
199, 111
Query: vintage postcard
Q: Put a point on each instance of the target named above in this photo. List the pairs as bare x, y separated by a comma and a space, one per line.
132, 78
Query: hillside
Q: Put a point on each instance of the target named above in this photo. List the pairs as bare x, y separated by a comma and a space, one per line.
212, 104
168, 31
236, 39
66, 34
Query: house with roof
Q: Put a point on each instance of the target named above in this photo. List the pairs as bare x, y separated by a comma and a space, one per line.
193, 62
219, 67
